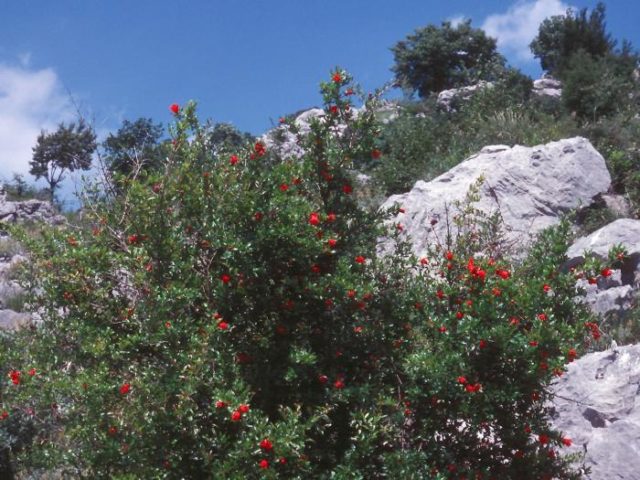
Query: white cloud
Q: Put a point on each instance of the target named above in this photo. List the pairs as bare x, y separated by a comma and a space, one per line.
457, 20
30, 101
515, 29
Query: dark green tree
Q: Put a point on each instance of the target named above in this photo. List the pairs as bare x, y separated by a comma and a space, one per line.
136, 145
67, 149
224, 136
437, 58
560, 36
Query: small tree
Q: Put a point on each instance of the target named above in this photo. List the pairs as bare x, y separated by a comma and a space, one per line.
135, 145
560, 36
437, 58
67, 149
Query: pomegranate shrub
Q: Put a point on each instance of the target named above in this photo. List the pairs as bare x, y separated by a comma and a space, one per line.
230, 319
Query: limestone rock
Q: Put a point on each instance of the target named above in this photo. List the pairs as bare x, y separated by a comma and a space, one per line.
531, 187
547, 87
447, 98
597, 406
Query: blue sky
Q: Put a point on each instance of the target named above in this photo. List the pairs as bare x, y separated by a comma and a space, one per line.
245, 61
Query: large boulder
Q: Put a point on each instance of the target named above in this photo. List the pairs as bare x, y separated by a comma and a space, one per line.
531, 187
597, 405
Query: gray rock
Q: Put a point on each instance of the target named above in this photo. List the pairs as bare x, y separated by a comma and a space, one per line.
625, 231
547, 87
10, 320
597, 406
531, 187
447, 98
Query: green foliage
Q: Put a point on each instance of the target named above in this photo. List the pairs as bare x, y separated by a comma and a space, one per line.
224, 137
67, 149
231, 319
422, 144
437, 58
134, 147
560, 36
597, 86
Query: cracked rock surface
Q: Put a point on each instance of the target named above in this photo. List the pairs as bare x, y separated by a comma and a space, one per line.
597, 405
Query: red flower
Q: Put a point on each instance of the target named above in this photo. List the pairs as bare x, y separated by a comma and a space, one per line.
496, 291
606, 272
4, 415
459, 315
449, 255
314, 219
473, 388
592, 281
424, 261
440, 294
32, 372
333, 109
236, 416
282, 461
566, 441
572, 354
542, 317
337, 78
266, 445
260, 148
220, 404
257, 216
244, 408
175, 108
442, 329
360, 259
323, 379
315, 268
233, 160
113, 430
533, 343
332, 242
225, 277
125, 388
462, 380
347, 189
546, 287
15, 376
543, 439
338, 384
375, 153
504, 274
264, 464
223, 325
483, 344
331, 217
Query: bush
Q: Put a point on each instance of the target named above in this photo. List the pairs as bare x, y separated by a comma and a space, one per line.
231, 319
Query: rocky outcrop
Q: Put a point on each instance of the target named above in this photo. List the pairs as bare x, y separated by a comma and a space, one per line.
531, 187
597, 405
29, 211
547, 87
447, 98
617, 293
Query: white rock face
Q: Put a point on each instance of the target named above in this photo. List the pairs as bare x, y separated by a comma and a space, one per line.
625, 231
530, 186
598, 407
547, 87
447, 97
